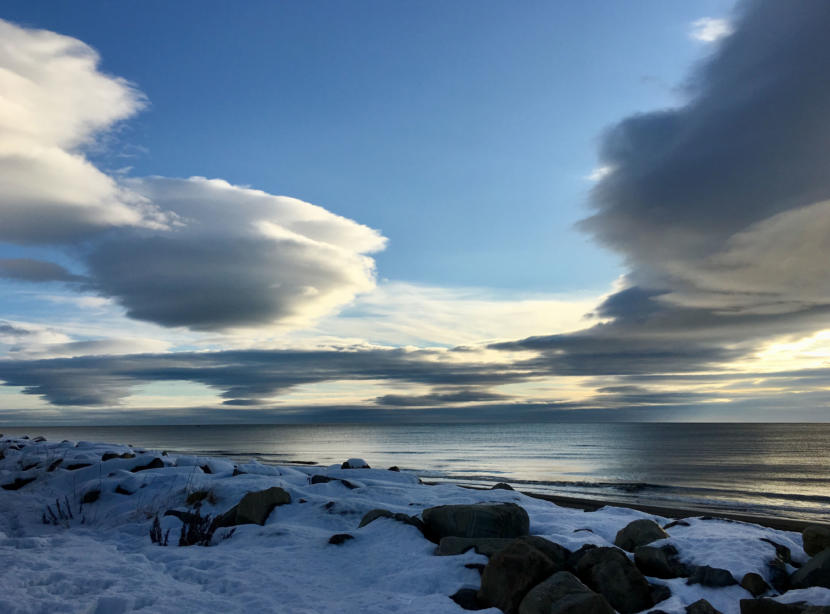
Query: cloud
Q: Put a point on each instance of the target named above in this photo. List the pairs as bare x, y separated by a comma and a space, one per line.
55, 103
709, 29
27, 269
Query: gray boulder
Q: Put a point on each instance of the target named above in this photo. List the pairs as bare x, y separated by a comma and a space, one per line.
816, 538
713, 577
563, 593
660, 562
511, 573
254, 507
488, 546
701, 606
778, 575
755, 584
610, 572
482, 520
639, 533
816, 572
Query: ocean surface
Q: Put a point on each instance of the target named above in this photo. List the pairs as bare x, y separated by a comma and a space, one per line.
766, 469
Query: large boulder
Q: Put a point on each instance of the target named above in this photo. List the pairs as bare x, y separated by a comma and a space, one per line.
639, 533
660, 562
254, 507
511, 573
610, 572
563, 593
701, 606
481, 520
487, 546
816, 572
755, 584
816, 538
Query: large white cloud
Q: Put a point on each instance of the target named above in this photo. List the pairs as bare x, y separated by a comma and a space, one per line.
53, 103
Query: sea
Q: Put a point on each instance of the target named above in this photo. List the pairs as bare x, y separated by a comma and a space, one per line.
780, 470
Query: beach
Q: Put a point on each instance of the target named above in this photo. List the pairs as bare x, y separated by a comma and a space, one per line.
77, 520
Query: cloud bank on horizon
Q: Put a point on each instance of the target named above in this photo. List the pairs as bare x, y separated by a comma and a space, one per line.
720, 208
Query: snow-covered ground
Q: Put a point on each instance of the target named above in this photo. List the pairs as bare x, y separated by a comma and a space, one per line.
102, 559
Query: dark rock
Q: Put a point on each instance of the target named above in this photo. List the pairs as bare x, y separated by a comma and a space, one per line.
501, 486
659, 562
779, 577
373, 515
329, 505
482, 520
676, 523
781, 551
108, 456
302, 501
54, 465
657, 612
236, 472
39, 439
511, 573
18, 483
816, 538
659, 592
769, 606
254, 507
557, 554
355, 463
755, 584
711, 576
639, 533
206, 469
467, 599
610, 572
75, 466
91, 496
701, 606
395, 468
816, 572
156, 463
122, 491
563, 593
320, 479
340, 538
488, 546
576, 555
196, 497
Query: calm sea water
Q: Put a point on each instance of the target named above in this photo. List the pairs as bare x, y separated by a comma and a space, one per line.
770, 469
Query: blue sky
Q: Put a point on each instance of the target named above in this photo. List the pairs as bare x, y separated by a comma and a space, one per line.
492, 211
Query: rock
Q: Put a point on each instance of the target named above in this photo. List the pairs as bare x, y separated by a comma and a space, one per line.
340, 538
54, 465
108, 456
711, 576
18, 483
781, 551
373, 515
206, 469
659, 562
563, 593
609, 572
816, 572
488, 546
355, 463
123, 491
769, 606
481, 520
91, 496
76, 466
196, 497
816, 538
501, 486
254, 507
676, 523
39, 439
659, 592
779, 577
395, 468
156, 463
558, 555
511, 573
320, 479
755, 584
466, 598
576, 555
639, 533
701, 606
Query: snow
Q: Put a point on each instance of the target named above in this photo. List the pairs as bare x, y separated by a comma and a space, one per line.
102, 560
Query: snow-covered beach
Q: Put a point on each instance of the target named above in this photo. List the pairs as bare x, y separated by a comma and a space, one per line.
76, 520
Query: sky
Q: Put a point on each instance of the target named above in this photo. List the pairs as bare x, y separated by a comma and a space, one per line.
414, 212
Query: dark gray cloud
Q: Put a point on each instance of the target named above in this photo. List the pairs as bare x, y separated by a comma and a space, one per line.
28, 269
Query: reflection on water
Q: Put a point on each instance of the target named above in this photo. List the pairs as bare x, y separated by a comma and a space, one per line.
779, 469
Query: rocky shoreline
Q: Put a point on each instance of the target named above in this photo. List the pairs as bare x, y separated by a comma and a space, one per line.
530, 553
